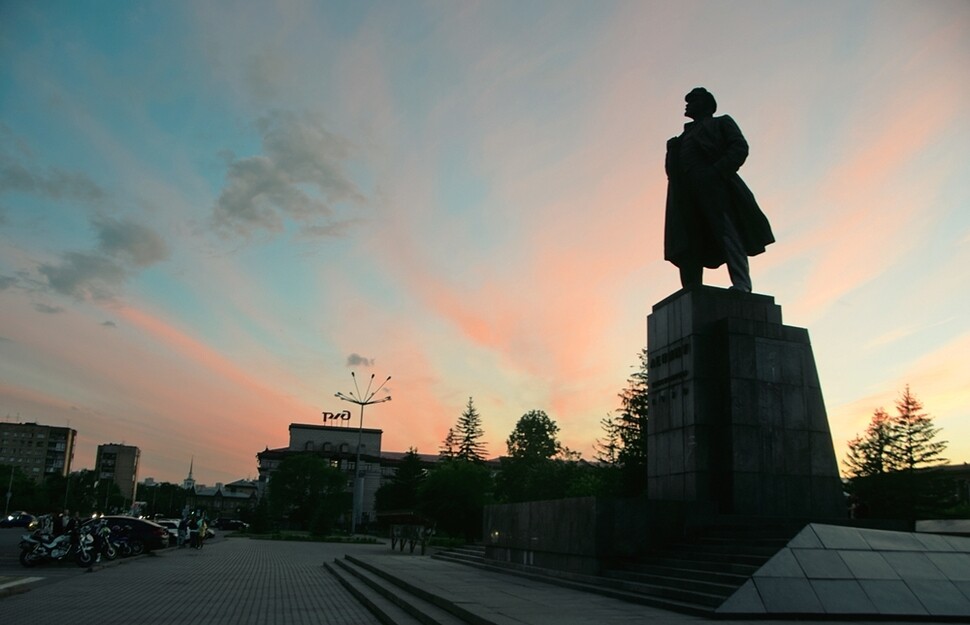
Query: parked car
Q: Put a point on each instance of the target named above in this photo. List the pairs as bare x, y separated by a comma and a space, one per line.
18, 518
172, 525
143, 535
230, 524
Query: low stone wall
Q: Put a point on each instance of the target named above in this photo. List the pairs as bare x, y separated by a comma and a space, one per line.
579, 535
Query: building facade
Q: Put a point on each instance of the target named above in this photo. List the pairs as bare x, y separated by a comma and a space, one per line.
38, 450
224, 500
119, 463
337, 445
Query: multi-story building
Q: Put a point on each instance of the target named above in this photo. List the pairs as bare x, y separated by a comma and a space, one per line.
338, 445
38, 450
119, 463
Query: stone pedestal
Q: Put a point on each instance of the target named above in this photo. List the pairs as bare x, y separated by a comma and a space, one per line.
737, 422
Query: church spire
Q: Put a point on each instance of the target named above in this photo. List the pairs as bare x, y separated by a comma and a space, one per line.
189, 482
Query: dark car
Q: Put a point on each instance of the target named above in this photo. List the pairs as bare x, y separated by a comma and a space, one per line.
143, 535
230, 524
17, 519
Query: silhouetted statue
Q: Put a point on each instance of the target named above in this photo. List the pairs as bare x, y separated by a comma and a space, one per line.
712, 216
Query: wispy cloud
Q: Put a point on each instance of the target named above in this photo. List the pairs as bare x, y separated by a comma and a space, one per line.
84, 276
47, 309
133, 242
356, 360
19, 173
301, 177
125, 247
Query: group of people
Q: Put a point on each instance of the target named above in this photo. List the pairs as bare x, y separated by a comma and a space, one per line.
192, 531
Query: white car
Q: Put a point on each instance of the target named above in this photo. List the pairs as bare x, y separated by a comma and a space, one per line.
172, 525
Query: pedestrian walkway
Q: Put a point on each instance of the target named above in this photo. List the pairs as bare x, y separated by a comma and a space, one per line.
229, 582
242, 581
506, 599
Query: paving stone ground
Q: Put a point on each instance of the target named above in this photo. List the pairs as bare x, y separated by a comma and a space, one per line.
241, 581
228, 582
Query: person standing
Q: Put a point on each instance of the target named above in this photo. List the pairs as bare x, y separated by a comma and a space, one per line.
183, 531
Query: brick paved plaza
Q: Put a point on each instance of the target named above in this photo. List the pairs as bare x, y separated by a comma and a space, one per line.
230, 581
240, 581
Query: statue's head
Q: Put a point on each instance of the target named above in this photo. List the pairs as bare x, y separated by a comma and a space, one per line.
700, 103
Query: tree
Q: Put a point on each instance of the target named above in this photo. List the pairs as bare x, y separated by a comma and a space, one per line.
469, 434
535, 468
454, 495
873, 453
309, 492
23, 490
448, 449
534, 437
607, 449
915, 441
628, 432
902, 442
891, 465
401, 492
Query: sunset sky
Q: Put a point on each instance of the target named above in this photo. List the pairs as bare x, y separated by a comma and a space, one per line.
212, 212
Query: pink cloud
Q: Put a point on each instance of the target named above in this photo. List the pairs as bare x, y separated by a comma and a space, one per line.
871, 217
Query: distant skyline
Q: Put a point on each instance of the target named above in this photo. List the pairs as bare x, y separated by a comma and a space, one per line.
211, 213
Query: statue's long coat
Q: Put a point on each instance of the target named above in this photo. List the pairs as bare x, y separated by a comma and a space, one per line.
690, 237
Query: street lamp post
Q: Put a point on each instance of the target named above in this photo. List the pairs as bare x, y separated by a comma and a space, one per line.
6, 510
361, 399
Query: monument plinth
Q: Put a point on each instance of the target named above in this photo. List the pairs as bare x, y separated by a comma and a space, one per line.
737, 421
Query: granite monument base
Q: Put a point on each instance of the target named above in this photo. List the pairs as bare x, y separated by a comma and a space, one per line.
737, 419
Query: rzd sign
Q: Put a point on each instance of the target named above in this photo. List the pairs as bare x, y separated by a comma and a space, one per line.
331, 416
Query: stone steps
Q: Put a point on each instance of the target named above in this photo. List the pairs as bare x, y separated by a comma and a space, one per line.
394, 601
653, 592
466, 554
714, 562
684, 579
695, 576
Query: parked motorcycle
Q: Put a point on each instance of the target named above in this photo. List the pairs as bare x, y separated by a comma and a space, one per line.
40, 546
94, 544
124, 543
119, 538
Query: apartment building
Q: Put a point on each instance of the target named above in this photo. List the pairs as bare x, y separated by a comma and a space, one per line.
38, 450
119, 463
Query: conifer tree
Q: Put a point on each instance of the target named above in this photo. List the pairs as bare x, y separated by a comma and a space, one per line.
469, 433
873, 453
449, 446
631, 426
915, 435
891, 466
607, 448
901, 442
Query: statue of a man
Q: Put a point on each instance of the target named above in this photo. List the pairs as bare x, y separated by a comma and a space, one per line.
712, 216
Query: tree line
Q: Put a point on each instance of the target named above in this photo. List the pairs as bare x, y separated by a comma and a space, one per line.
82, 492
454, 490
893, 467
889, 470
